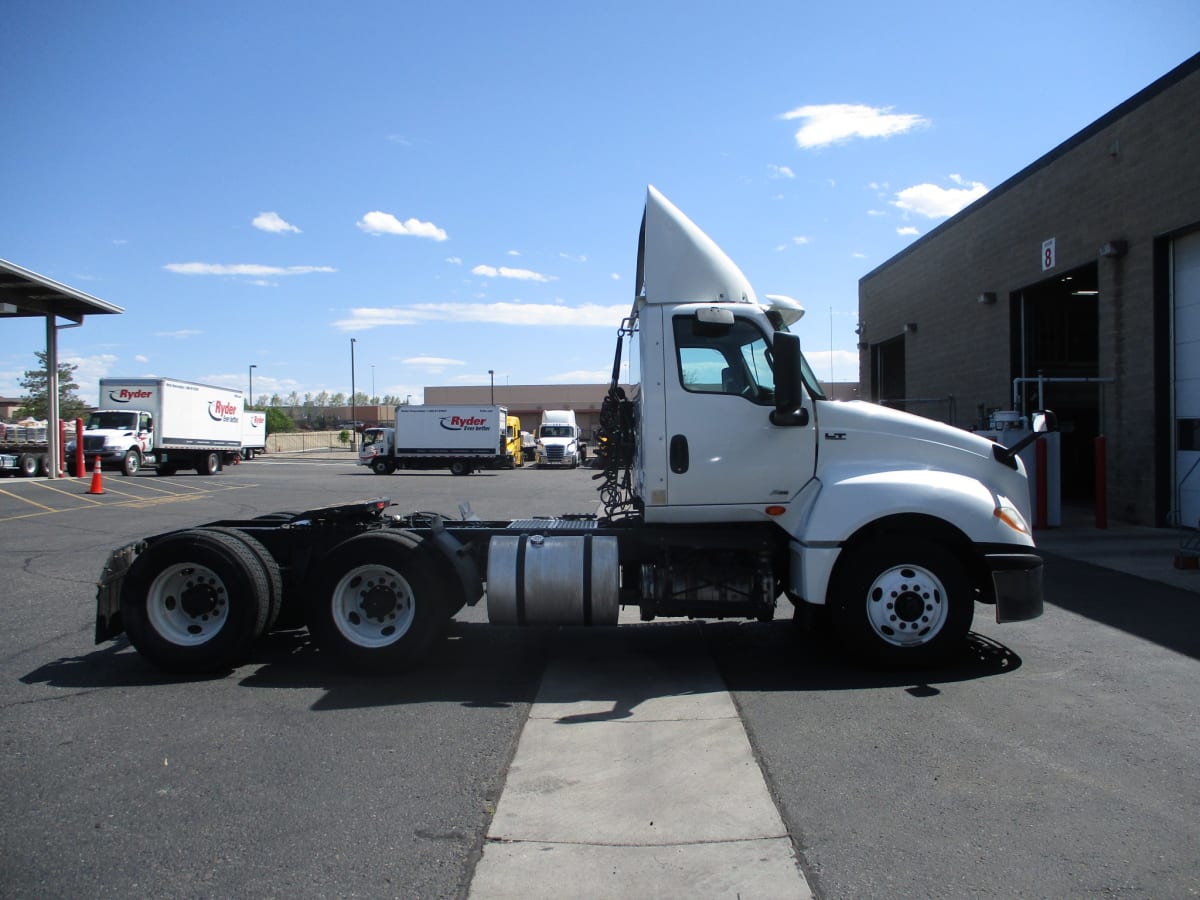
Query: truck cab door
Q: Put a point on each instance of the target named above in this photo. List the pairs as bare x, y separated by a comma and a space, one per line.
722, 444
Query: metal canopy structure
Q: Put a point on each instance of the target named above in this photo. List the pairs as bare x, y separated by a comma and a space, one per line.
25, 294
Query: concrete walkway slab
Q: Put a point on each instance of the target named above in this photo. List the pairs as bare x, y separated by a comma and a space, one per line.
634, 777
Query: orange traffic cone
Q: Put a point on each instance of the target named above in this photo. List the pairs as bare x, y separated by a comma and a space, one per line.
97, 483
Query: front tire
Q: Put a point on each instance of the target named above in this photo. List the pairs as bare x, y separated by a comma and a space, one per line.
378, 604
195, 601
382, 466
131, 463
907, 602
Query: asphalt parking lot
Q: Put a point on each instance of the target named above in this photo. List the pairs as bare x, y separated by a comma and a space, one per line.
1058, 760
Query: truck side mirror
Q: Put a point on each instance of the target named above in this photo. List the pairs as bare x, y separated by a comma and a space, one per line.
1043, 421
789, 381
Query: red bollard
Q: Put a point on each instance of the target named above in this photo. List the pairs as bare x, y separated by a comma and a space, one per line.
80, 465
1101, 482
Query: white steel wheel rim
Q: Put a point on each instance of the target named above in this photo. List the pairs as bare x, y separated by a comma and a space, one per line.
373, 606
187, 604
907, 606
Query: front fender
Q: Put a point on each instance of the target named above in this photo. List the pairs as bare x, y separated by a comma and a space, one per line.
846, 506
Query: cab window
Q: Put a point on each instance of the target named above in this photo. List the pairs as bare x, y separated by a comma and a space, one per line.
724, 359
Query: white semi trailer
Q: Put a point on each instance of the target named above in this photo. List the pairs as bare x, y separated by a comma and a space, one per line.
891, 524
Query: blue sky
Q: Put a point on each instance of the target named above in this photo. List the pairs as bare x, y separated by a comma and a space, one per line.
458, 186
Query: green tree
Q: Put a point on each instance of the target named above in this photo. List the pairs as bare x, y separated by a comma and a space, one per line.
279, 422
35, 401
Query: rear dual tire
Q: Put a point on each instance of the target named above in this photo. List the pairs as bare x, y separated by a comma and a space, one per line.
378, 603
195, 601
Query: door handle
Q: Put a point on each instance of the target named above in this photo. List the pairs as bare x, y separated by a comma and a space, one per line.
679, 454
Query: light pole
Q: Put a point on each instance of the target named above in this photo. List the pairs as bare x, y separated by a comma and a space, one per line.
353, 410
372, 384
492, 384
250, 396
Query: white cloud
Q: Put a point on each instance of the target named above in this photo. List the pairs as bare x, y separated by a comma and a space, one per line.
432, 364
907, 230
181, 334
936, 202
88, 372
454, 260
377, 222
798, 241
780, 172
834, 123
198, 268
615, 276
876, 212
504, 313
512, 253
506, 272
273, 222
579, 258
140, 358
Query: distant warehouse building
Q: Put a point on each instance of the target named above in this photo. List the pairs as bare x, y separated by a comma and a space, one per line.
1074, 285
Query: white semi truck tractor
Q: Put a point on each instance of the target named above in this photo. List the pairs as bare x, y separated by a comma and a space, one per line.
893, 525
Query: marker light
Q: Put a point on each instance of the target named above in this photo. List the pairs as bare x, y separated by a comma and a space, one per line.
1010, 517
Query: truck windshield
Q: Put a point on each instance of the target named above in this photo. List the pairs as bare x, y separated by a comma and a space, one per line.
372, 436
112, 421
557, 431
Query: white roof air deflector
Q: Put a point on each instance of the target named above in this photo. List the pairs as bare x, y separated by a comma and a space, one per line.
679, 263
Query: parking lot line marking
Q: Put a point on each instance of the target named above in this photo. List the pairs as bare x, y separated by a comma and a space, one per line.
47, 486
26, 500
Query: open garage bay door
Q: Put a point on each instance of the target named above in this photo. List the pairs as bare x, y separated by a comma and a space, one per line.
1185, 301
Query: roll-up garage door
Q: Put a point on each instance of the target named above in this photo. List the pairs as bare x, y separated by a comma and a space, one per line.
1185, 283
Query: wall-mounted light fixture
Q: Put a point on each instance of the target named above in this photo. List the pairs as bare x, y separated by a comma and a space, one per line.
910, 327
1114, 249
987, 298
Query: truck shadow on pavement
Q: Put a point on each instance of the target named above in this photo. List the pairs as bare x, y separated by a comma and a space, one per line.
481, 665
1150, 610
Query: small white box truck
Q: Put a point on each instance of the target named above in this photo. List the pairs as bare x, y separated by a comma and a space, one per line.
459, 438
164, 424
254, 433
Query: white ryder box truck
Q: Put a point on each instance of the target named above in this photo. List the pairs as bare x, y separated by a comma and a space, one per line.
729, 484
164, 424
459, 438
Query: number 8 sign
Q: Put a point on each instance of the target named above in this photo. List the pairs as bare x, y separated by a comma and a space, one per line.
1048, 254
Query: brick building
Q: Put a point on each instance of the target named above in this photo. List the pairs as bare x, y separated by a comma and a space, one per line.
1082, 270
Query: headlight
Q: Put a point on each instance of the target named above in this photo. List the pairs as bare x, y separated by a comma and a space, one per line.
70, 446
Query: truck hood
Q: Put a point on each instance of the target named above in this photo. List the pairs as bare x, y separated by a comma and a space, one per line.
867, 433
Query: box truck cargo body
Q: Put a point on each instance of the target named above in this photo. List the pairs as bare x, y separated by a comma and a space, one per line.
459, 438
164, 424
254, 433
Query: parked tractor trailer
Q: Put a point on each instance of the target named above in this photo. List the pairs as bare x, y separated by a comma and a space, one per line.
886, 526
